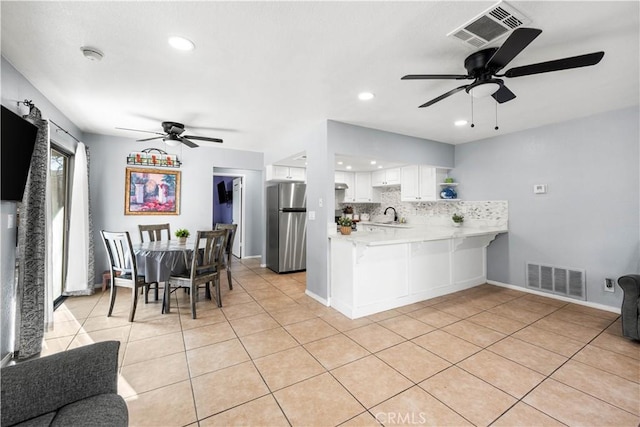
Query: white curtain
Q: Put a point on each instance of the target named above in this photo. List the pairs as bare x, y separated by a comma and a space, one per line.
78, 271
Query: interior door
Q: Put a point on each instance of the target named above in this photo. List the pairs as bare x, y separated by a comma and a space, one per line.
237, 217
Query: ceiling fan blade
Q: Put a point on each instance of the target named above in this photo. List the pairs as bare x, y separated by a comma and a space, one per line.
150, 139
188, 143
557, 65
435, 77
203, 138
138, 130
503, 94
443, 96
515, 43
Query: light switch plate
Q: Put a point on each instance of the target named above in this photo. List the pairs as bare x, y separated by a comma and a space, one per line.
312, 215
539, 188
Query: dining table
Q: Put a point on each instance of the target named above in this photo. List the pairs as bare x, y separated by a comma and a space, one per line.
160, 259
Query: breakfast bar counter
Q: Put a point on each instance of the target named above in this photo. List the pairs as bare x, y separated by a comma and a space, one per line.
374, 271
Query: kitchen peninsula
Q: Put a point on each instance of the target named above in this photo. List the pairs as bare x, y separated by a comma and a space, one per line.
373, 271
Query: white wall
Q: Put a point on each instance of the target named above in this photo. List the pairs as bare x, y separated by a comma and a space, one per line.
16, 88
590, 217
107, 186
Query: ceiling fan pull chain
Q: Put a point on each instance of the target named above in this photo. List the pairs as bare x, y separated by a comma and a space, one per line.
496, 128
472, 125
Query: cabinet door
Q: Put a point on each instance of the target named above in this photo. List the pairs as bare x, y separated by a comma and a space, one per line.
363, 187
297, 174
349, 193
338, 176
427, 183
409, 183
378, 178
280, 172
392, 176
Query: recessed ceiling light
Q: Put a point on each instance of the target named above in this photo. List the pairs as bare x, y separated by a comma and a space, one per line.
373, 162
339, 163
348, 166
366, 96
181, 43
460, 122
380, 167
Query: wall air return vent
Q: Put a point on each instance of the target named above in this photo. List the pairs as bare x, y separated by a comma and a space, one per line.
496, 22
569, 282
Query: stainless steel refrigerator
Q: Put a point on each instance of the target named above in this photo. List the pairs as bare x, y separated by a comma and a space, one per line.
287, 227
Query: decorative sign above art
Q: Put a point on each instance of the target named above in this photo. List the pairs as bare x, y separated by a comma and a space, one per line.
153, 157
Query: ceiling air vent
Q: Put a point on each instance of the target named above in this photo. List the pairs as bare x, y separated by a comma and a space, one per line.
492, 24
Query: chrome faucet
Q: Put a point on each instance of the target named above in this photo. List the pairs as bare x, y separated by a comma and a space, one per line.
395, 214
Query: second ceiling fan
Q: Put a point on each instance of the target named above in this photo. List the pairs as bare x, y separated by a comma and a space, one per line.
483, 67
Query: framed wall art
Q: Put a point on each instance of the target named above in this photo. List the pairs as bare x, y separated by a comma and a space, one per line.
152, 192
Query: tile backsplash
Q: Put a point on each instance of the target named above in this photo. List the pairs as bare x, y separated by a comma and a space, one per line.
494, 212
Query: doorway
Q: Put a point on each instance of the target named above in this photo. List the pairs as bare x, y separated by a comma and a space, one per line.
228, 207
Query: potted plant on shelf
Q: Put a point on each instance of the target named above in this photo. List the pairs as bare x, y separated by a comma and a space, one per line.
345, 224
182, 234
457, 219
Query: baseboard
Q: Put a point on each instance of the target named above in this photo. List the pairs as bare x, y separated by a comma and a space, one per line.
558, 297
263, 265
252, 256
317, 298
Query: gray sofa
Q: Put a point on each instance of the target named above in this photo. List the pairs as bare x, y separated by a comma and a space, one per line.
74, 388
630, 311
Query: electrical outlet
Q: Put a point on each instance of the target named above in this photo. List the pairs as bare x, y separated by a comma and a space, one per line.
609, 285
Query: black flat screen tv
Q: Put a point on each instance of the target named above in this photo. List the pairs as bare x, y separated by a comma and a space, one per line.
224, 196
18, 140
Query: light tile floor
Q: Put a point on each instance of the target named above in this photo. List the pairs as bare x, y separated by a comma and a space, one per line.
273, 356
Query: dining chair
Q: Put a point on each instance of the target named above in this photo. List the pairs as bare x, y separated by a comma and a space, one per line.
124, 270
231, 234
207, 260
154, 231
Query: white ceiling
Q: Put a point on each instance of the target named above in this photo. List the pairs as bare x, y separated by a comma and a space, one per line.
260, 68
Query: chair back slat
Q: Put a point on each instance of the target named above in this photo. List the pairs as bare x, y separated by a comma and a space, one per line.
153, 231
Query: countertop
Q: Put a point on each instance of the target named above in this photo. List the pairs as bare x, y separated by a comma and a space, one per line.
405, 234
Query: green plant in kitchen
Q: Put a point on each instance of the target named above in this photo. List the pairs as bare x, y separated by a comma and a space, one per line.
449, 180
182, 233
343, 221
457, 218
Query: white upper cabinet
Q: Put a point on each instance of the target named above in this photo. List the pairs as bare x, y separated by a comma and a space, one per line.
285, 173
418, 184
364, 192
385, 177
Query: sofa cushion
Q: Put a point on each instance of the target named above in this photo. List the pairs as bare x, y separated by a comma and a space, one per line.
108, 410
41, 421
